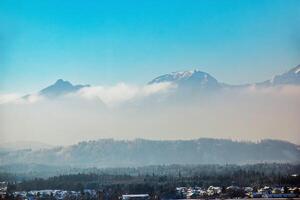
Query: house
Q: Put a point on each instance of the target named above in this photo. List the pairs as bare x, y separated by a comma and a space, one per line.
136, 196
3, 189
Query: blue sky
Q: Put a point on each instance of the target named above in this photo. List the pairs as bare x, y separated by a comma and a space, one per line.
106, 42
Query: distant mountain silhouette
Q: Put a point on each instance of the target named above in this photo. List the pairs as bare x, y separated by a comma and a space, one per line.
60, 87
292, 77
201, 80
187, 82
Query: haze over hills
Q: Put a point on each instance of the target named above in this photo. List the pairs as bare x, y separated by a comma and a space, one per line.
149, 110
21, 145
96, 86
140, 152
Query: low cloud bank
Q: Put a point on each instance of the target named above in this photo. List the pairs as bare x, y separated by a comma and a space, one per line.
122, 92
153, 111
109, 95
7, 98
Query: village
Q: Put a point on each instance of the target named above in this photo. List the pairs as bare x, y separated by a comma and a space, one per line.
212, 192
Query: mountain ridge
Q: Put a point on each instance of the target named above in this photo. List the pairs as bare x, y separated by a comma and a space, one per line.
291, 77
190, 80
143, 152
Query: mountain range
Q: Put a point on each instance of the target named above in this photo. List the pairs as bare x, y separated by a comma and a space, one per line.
139, 152
192, 81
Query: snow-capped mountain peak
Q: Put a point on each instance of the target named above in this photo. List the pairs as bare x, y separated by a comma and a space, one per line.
184, 74
189, 80
192, 79
181, 76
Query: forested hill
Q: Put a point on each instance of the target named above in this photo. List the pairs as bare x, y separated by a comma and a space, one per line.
150, 177
140, 152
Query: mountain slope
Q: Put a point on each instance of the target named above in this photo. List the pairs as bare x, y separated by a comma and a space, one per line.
116, 153
291, 77
196, 79
60, 87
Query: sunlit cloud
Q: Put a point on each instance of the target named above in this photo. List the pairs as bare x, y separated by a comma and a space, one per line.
7, 98
121, 93
109, 95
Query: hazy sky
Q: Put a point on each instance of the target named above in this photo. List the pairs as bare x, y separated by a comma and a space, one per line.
106, 42
119, 46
